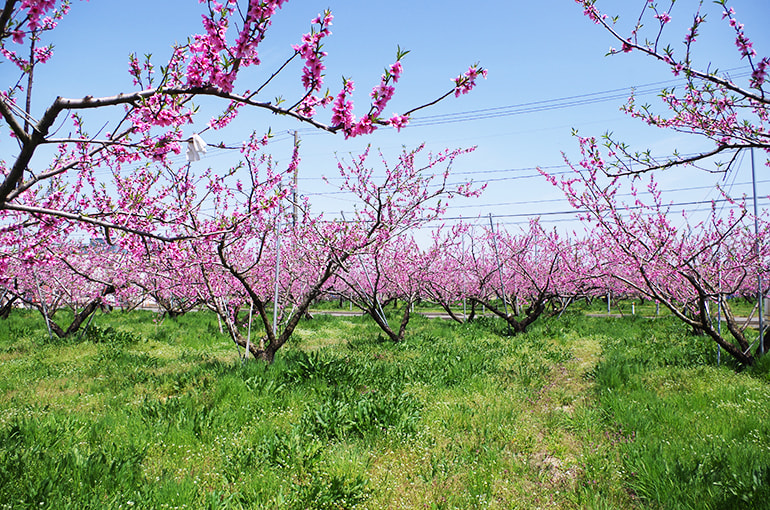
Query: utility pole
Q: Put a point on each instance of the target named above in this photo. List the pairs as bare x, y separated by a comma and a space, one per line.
295, 207
719, 303
760, 304
277, 266
499, 267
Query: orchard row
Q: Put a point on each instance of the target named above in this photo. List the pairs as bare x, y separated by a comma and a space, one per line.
258, 258
221, 238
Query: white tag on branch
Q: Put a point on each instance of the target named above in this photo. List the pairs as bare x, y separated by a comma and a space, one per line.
195, 146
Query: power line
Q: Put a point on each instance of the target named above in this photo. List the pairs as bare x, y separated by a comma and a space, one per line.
550, 104
667, 191
547, 104
583, 211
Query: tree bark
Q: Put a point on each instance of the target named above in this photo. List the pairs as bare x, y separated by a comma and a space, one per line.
7, 307
79, 317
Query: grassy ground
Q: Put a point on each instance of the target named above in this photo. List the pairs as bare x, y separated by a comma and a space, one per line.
578, 413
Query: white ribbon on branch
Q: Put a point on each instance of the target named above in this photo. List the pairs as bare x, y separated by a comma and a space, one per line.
195, 146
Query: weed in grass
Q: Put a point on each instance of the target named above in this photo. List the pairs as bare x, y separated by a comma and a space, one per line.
303, 367
324, 492
261, 385
223, 500
347, 413
290, 450
185, 414
761, 369
441, 361
18, 332
296, 457
97, 334
45, 464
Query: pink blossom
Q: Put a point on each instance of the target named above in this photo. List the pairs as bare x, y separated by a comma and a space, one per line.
759, 75
43, 54
363, 127
745, 46
398, 121
342, 109
396, 70
310, 50
13, 57
627, 48
467, 81
37, 9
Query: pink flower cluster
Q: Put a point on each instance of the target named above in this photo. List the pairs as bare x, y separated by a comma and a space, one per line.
398, 121
212, 61
205, 67
35, 21
253, 31
627, 46
741, 41
342, 110
759, 75
19, 62
134, 69
310, 50
36, 9
43, 54
746, 48
692, 34
159, 110
307, 106
227, 116
590, 10
745, 45
465, 82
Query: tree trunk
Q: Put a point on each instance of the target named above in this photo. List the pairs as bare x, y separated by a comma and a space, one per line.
531, 314
382, 322
5, 309
452, 315
78, 318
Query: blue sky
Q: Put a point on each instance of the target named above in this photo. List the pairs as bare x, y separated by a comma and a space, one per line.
537, 53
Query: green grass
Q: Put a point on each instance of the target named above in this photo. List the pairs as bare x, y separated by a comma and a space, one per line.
693, 435
577, 413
